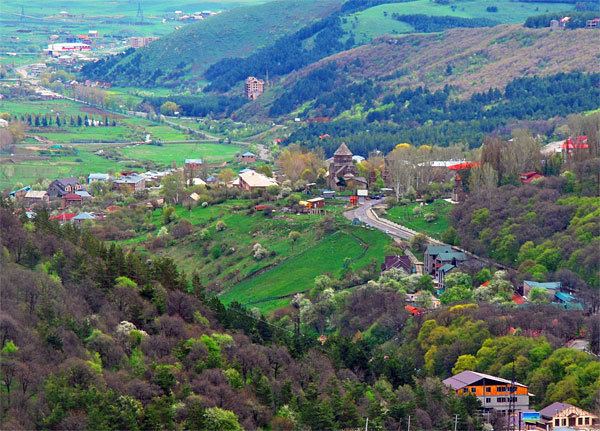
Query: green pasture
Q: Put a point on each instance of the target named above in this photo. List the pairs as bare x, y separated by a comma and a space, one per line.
376, 21
168, 153
32, 171
297, 273
404, 215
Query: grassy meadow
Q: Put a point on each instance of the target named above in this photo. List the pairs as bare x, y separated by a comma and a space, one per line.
376, 21
224, 259
167, 153
404, 215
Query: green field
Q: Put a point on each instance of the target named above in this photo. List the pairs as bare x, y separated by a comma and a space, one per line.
376, 21
289, 267
403, 215
298, 272
210, 152
32, 171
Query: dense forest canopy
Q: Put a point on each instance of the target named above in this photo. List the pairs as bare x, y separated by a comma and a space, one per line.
422, 117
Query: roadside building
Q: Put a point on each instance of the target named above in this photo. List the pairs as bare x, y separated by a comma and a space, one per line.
530, 177
58, 49
141, 41
342, 169
252, 180
551, 287
63, 217
566, 416
494, 393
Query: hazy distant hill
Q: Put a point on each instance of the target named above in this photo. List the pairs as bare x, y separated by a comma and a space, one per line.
237, 32
472, 60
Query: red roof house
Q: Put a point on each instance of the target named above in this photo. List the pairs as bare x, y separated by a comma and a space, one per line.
63, 218
529, 177
415, 311
462, 166
518, 299
71, 198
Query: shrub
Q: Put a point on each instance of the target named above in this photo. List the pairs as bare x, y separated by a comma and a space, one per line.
430, 217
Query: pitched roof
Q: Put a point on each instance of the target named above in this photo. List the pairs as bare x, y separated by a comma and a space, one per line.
256, 179
63, 182
36, 194
554, 408
446, 268
84, 216
517, 299
63, 217
450, 255
553, 285
467, 378
194, 161
98, 176
129, 179
437, 249
72, 197
248, 154
343, 150
83, 193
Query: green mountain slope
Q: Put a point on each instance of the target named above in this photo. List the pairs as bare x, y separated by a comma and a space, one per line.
237, 32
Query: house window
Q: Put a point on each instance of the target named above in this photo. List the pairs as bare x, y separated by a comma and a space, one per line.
465, 390
579, 421
564, 422
473, 390
488, 400
556, 422
488, 389
587, 420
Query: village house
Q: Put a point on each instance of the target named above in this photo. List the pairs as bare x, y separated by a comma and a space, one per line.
64, 186
36, 197
398, 262
63, 217
193, 164
440, 260
566, 416
20, 193
254, 87
83, 217
342, 171
530, 177
71, 199
130, 183
248, 157
98, 177
251, 180
573, 145
494, 393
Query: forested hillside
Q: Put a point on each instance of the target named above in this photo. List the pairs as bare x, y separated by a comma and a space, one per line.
94, 337
187, 52
423, 117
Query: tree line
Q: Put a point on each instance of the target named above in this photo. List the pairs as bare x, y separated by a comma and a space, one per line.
578, 19
39, 120
422, 23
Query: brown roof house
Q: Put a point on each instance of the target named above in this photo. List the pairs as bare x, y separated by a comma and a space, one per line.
251, 180
566, 416
64, 186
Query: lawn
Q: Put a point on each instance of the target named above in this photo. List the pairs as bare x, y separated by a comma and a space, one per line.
376, 21
168, 153
403, 214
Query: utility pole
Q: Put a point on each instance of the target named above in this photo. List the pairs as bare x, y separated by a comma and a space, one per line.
455, 422
140, 14
408, 428
22, 13
367, 424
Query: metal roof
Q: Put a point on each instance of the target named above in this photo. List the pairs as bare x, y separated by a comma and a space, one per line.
467, 378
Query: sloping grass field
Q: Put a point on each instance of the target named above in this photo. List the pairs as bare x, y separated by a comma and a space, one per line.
274, 288
404, 215
377, 21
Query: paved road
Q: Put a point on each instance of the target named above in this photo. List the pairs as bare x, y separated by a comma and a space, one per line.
364, 213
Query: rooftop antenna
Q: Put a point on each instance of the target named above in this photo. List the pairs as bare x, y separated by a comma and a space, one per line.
140, 14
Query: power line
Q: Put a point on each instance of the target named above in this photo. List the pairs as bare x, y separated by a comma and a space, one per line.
140, 14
